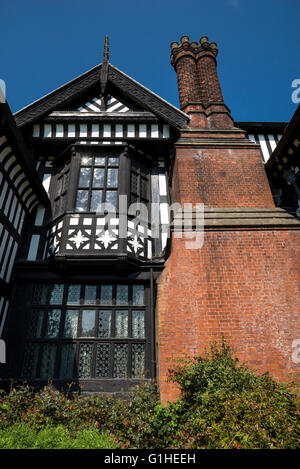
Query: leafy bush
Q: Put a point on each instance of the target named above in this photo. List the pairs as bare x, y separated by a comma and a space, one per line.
50, 407
21, 436
227, 405
223, 404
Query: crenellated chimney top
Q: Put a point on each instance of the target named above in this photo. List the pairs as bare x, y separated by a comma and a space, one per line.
199, 89
193, 47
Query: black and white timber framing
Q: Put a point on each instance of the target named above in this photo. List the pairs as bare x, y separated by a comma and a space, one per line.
65, 249
83, 297
20, 193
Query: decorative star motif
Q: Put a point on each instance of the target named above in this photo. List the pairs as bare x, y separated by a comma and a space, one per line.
106, 238
78, 239
135, 243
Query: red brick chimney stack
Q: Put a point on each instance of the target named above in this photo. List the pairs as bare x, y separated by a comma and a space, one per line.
200, 92
243, 281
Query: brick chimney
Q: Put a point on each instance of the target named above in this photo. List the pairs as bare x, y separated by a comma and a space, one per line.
199, 88
243, 281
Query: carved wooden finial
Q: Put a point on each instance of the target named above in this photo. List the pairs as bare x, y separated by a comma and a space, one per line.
106, 50
104, 69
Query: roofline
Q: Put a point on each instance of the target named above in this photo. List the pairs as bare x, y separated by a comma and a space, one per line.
21, 151
68, 83
152, 92
60, 96
290, 128
261, 125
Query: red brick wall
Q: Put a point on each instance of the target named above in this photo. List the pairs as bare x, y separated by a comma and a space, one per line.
245, 284
221, 178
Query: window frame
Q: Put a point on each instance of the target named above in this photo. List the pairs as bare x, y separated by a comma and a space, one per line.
95, 340
101, 153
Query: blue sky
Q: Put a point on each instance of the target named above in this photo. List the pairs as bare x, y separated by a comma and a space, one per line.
47, 43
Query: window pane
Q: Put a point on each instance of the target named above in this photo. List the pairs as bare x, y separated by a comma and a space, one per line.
90, 296
112, 197
104, 323
113, 161
82, 200
121, 323
48, 361
102, 360
138, 295
138, 324
96, 201
112, 177
85, 360
98, 179
71, 323
31, 355
53, 323
73, 295
85, 176
106, 295
40, 294
56, 294
122, 294
88, 323
86, 161
67, 361
99, 161
36, 324
120, 360
138, 360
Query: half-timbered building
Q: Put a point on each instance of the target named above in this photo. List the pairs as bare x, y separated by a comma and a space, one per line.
104, 292
20, 194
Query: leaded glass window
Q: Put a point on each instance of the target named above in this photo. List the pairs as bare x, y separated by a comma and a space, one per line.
121, 323
120, 361
87, 331
138, 360
60, 192
85, 360
97, 183
106, 294
102, 360
73, 294
138, 323
56, 294
67, 361
104, 329
71, 323
53, 323
88, 323
139, 183
90, 297
48, 361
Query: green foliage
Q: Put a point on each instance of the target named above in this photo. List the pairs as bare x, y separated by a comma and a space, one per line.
223, 404
21, 436
227, 405
50, 407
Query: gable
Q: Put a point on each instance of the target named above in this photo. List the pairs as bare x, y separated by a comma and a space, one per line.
85, 91
107, 103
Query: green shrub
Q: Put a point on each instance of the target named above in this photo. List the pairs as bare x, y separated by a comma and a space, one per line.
21, 436
227, 405
51, 407
223, 404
